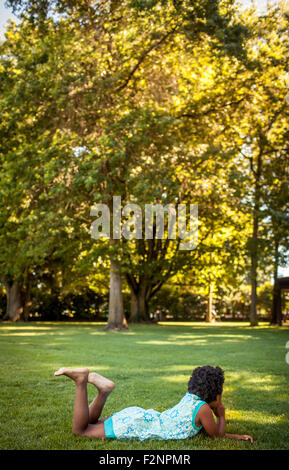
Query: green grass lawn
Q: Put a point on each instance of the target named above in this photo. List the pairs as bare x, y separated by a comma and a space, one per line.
150, 366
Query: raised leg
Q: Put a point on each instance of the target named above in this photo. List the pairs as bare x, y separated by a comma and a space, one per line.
81, 412
104, 387
81, 416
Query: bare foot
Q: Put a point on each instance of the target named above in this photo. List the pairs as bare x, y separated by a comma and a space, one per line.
102, 383
78, 375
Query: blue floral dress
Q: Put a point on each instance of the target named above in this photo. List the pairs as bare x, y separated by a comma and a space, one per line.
136, 423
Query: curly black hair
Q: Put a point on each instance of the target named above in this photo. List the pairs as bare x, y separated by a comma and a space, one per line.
206, 382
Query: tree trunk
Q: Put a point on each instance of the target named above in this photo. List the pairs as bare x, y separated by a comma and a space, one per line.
279, 308
254, 266
254, 244
276, 303
116, 319
14, 306
27, 303
133, 304
139, 304
209, 315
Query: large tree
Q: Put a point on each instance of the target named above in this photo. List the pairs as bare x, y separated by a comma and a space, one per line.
261, 133
134, 100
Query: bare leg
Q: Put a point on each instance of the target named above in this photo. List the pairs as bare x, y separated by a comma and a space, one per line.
104, 387
81, 413
81, 424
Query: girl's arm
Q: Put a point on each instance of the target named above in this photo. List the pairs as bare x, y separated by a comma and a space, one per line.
242, 437
214, 429
206, 417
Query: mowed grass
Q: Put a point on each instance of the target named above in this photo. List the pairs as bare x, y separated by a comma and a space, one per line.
151, 366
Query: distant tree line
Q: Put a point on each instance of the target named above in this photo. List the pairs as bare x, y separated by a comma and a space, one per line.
157, 102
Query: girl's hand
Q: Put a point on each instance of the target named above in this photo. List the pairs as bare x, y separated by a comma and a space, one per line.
219, 410
241, 437
244, 437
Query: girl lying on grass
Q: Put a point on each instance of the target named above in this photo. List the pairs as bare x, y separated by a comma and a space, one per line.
184, 420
